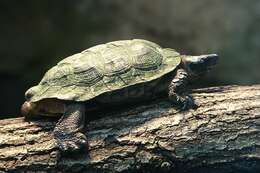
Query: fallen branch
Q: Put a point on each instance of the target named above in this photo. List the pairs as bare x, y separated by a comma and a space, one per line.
222, 134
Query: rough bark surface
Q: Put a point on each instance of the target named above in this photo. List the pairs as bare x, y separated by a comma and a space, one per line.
221, 135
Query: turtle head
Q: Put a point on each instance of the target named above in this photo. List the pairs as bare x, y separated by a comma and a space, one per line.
199, 65
45, 107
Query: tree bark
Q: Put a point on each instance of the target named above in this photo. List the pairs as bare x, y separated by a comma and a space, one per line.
221, 135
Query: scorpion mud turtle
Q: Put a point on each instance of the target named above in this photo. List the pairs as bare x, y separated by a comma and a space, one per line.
113, 73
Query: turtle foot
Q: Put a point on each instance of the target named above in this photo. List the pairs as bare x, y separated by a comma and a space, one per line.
183, 102
69, 142
187, 102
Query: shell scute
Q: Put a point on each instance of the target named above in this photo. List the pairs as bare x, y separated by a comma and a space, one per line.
116, 62
90, 75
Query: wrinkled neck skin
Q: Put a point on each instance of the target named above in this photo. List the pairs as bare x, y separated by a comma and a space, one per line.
46, 107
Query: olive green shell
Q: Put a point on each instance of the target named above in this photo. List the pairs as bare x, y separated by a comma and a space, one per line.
105, 68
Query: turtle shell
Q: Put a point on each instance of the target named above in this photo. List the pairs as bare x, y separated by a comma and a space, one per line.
105, 68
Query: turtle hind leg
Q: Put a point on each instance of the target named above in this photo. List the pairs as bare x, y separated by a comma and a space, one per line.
68, 130
178, 91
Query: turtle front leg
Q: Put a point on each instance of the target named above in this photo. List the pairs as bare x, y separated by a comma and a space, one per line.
177, 89
68, 130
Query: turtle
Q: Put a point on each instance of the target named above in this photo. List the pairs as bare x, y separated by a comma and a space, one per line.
114, 73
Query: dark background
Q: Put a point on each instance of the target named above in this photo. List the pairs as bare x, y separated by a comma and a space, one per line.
36, 34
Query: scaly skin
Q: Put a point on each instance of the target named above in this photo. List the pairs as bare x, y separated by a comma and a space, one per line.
177, 90
68, 131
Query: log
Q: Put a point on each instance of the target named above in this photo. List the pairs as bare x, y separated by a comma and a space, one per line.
221, 135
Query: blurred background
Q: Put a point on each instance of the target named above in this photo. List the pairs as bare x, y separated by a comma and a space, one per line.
35, 35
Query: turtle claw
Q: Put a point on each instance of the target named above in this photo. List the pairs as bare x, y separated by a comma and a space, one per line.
71, 146
62, 147
187, 102
183, 102
70, 142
